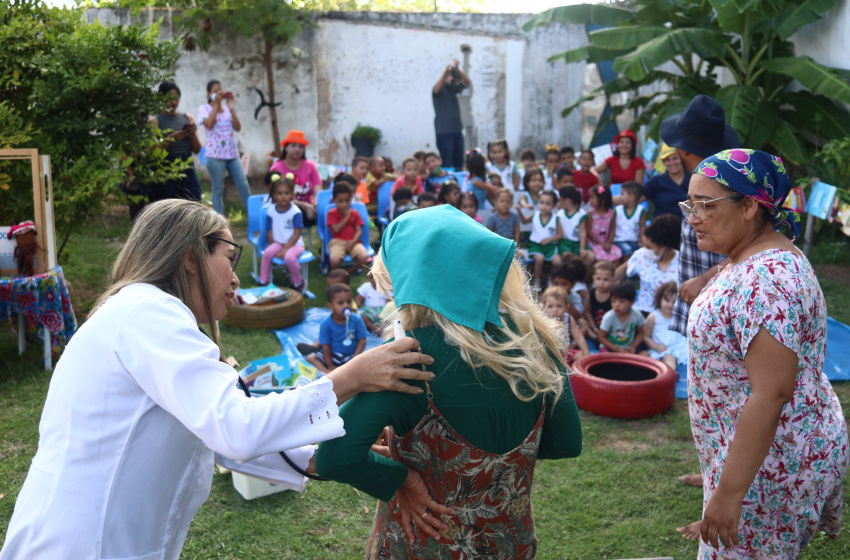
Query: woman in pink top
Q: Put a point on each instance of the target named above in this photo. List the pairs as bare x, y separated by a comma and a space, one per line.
305, 171
220, 122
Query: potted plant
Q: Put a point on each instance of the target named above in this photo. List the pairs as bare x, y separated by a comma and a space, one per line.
364, 139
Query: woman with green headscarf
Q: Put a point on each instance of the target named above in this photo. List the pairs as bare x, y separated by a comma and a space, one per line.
498, 403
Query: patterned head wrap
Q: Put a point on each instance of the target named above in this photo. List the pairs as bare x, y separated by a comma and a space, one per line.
758, 175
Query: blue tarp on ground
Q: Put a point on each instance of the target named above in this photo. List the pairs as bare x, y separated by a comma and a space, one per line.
836, 365
307, 331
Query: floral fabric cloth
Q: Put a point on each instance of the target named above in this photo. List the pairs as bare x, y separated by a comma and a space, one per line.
221, 143
490, 493
798, 489
600, 224
642, 266
44, 301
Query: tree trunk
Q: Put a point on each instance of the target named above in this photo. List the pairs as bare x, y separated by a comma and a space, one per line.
267, 60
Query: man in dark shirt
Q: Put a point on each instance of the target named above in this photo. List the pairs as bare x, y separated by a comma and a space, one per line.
447, 123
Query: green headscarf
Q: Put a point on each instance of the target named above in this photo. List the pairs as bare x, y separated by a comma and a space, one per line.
444, 260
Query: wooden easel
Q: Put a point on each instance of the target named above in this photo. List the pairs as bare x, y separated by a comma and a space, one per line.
42, 196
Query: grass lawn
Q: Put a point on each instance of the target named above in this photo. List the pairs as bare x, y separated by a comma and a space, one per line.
619, 499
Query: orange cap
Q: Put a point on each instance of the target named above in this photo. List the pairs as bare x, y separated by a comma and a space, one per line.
294, 137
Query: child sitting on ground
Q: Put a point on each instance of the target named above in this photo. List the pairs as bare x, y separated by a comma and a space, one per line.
437, 176
449, 194
403, 200
574, 222
359, 170
602, 225
427, 200
568, 275
664, 344
468, 204
342, 335
631, 219
371, 303
622, 328
554, 302
345, 226
545, 234
600, 298
410, 178
335, 276
284, 223
505, 221
584, 179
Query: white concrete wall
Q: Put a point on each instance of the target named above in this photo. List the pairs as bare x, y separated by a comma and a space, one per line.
378, 69
827, 41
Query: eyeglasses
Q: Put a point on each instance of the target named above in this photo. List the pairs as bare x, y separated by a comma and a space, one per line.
697, 208
235, 260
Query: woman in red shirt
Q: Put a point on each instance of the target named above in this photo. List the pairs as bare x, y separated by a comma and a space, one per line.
624, 164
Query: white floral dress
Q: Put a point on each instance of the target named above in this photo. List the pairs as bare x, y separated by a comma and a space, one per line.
642, 265
798, 489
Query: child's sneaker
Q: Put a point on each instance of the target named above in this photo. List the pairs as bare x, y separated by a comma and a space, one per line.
536, 285
301, 287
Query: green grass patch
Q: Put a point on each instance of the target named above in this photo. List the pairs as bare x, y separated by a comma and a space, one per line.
619, 499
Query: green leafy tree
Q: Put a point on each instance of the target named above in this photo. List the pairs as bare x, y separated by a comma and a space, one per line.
80, 93
749, 39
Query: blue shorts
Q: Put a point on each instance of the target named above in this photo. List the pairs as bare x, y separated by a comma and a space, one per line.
627, 247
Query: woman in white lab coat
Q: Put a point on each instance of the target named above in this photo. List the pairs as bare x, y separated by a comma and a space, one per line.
140, 400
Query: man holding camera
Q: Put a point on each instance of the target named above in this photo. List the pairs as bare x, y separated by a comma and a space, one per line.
447, 123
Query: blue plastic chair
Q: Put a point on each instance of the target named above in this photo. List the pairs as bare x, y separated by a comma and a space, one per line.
304, 260
364, 236
616, 189
384, 199
323, 199
255, 205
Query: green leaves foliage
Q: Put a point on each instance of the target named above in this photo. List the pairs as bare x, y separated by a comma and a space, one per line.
582, 14
816, 77
80, 93
676, 46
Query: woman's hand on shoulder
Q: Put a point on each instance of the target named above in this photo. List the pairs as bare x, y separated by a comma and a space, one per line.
415, 504
382, 369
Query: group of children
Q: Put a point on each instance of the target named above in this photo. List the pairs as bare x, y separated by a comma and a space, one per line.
572, 225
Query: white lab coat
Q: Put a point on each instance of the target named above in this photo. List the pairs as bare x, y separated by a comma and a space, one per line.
137, 405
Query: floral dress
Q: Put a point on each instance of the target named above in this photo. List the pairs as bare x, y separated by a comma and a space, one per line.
600, 224
490, 493
798, 489
651, 276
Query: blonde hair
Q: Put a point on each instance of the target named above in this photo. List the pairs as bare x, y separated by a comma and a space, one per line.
153, 254
527, 356
556, 292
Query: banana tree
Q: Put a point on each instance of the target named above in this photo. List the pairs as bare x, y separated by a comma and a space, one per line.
682, 44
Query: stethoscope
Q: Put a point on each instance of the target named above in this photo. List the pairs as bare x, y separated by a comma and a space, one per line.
289, 461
